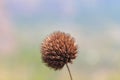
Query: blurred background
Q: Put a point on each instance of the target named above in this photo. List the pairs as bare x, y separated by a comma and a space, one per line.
95, 24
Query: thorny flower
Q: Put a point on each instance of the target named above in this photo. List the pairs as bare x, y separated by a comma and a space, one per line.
58, 49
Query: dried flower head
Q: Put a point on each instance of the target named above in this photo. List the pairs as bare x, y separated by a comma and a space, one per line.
58, 49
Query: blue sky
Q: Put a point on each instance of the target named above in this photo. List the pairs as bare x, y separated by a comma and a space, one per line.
84, 12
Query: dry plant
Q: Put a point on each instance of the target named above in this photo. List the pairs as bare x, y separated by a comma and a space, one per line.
59, 49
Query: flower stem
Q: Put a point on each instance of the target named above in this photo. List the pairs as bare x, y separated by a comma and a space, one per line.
69, 71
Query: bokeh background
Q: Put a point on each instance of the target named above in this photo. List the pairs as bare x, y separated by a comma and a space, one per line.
95, 24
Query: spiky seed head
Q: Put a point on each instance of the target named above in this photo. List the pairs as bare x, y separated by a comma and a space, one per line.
58, 49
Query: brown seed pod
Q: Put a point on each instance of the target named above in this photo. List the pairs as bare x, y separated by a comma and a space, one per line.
58, 49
